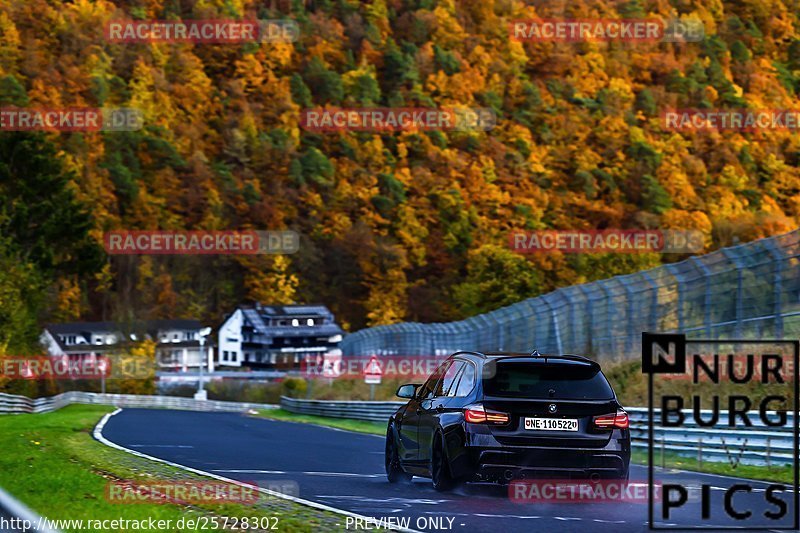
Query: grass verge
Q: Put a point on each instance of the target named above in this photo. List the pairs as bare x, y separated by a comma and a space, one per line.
349, 424
52, 464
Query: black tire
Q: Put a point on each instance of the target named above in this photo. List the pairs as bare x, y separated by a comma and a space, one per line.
394, 472
440, 466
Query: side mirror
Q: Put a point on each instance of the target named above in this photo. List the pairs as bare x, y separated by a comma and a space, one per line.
407, 391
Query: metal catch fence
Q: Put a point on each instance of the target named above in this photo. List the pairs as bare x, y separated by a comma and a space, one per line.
749, 291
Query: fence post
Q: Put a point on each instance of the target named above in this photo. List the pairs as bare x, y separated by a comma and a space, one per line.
679, 283
573, 307
779, 259
588, 321
769, 465
610, 318
631, 334
501, 329
731, 255
707, 304
700, 452
554, 319
653, 300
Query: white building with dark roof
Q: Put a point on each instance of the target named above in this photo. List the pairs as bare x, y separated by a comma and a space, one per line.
277, 336
177, 341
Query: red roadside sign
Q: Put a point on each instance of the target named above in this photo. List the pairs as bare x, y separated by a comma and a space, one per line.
373, 371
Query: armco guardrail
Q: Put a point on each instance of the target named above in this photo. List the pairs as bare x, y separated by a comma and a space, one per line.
757, 444
11, 404
372, 411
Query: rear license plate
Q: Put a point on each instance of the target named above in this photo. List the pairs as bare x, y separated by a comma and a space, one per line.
551, 424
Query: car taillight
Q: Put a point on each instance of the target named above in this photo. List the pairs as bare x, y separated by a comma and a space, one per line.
620, 420
476, 414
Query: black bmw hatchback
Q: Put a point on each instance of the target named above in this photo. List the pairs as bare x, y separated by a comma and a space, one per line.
503, 416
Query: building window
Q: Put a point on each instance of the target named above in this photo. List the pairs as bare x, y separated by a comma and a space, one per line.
310, 321
295, 322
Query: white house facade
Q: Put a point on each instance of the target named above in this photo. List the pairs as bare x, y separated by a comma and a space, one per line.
276, 337
177, 341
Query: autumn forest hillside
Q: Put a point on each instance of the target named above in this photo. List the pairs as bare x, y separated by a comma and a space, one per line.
395, 226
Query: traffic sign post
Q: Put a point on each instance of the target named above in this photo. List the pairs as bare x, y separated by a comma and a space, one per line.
372, 375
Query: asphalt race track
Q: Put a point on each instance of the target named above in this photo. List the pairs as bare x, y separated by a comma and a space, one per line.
345, 470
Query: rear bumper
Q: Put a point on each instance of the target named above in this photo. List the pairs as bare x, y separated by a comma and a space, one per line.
544, 463
484, 458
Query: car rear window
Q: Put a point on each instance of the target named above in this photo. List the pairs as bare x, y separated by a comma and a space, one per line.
566, 381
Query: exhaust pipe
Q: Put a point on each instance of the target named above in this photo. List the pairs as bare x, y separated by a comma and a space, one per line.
508, 475
595, 477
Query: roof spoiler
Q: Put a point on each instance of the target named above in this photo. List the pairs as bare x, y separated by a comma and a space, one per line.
580, 358
569, 357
